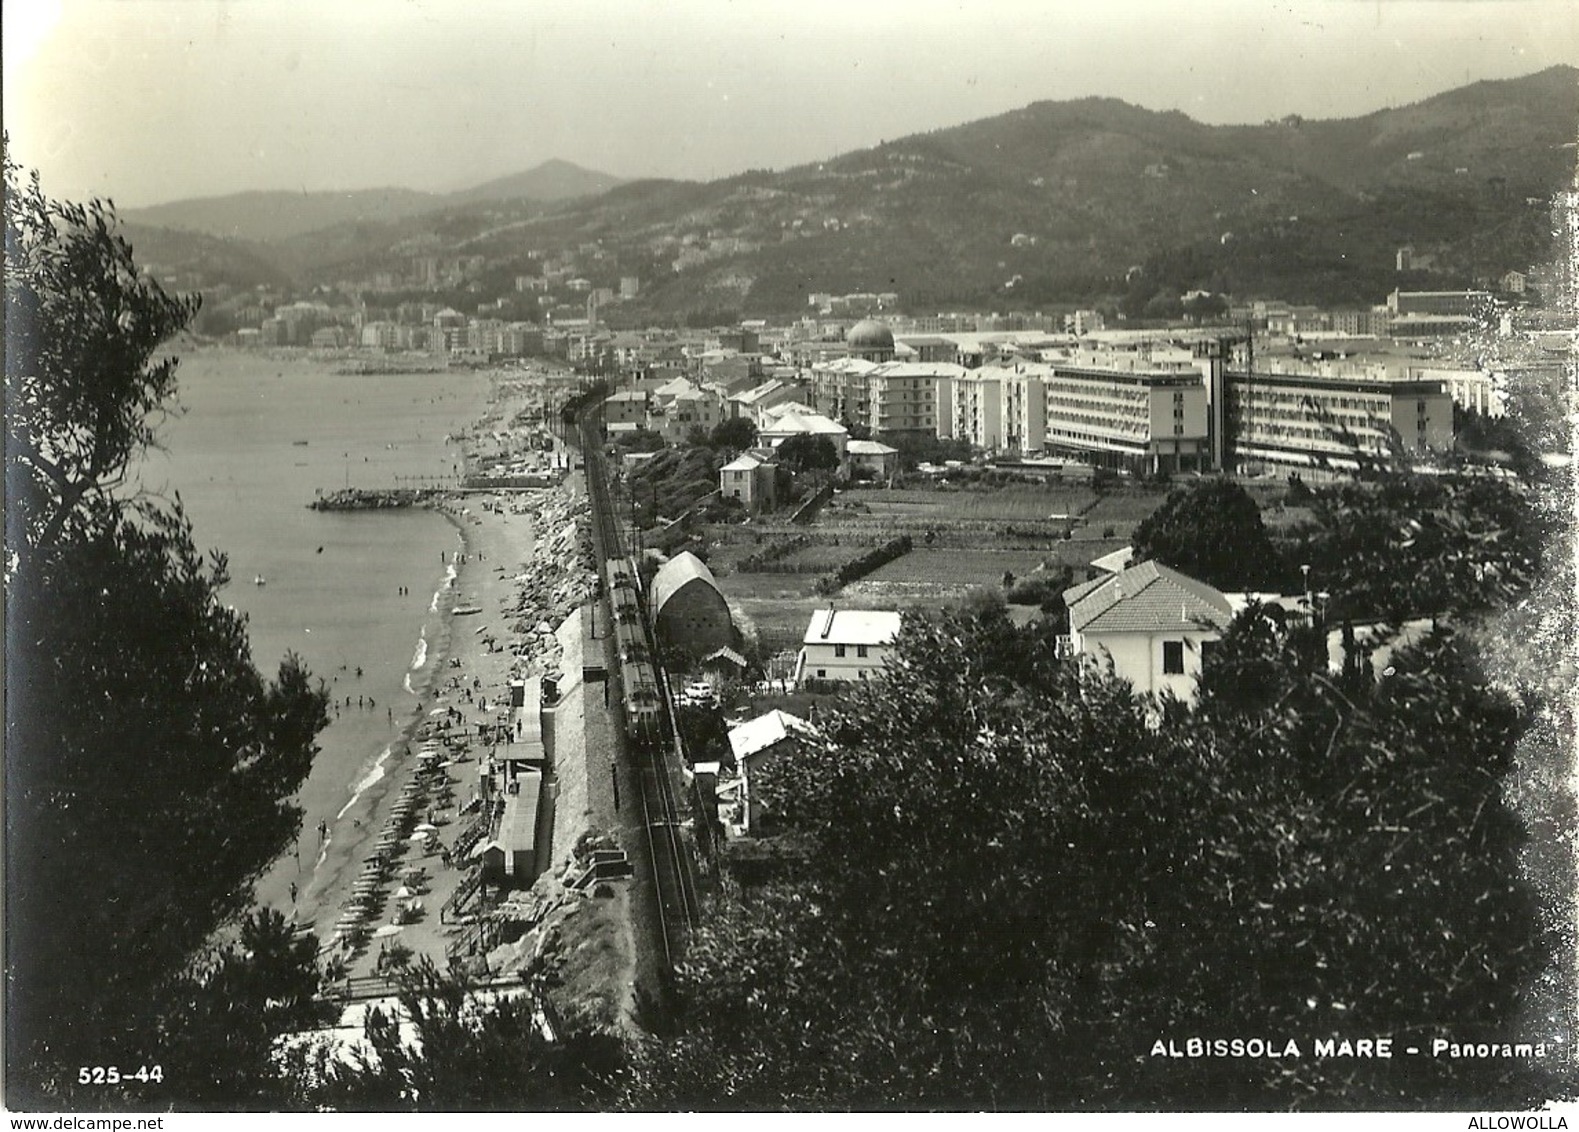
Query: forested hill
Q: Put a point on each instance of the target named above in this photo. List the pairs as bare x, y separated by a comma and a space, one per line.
1056, 202
276, 216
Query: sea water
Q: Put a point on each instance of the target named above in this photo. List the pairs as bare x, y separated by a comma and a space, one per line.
356, 595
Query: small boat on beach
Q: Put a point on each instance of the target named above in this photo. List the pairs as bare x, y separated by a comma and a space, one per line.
466, 610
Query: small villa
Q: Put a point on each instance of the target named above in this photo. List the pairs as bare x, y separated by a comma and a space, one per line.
1152, 623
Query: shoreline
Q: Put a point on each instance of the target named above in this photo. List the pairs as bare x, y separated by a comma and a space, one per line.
506, 561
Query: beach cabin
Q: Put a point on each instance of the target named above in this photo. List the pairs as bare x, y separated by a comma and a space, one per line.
514, 855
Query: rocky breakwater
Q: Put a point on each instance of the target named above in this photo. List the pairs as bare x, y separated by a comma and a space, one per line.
363, 499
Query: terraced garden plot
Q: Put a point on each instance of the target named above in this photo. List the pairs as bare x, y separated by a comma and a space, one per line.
767, 587
1079, 553
962, 568
1023, 502
1125, 507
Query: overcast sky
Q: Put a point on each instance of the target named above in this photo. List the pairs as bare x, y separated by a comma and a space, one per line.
154, 100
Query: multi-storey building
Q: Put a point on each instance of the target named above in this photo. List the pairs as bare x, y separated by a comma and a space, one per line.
686, 411
1473, 389
902, 396
1121, 411
1023, 403
929, 348
1437, 302
970, 407
839, 388
1297, 414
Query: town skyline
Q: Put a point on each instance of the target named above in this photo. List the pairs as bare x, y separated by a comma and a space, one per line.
151, 102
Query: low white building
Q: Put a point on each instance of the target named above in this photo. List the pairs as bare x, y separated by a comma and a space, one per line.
1152, 623
756, 744
846, 644
880, 459
781, 427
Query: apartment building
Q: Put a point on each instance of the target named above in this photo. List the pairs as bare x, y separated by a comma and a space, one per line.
902, 396
1126, 411
1293, 413
1474, 389
1023, 405
839, 388
1401, 303
685, 411
970, 407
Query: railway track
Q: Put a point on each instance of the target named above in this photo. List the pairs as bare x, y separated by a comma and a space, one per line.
652, 754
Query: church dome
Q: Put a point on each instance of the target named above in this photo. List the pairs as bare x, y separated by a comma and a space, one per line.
869, 334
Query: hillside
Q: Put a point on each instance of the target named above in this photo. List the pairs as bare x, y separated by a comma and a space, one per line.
270, 217
188, 261
1064, 202
551, 181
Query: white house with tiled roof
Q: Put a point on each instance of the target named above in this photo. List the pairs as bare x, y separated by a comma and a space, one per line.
881, 459
1152, 622
757, 744
785, 425
749, 477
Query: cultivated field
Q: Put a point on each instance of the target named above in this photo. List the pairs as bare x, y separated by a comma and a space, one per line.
1016, 502
958, 568
976, 535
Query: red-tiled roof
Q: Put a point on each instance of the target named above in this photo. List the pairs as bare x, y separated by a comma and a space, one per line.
1148, 598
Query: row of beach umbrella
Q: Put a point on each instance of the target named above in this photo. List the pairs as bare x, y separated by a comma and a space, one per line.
365, 899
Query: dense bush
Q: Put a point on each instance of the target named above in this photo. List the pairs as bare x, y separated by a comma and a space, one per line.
757, 560
864, 565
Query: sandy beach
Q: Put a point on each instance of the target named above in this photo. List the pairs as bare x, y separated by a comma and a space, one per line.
518, 567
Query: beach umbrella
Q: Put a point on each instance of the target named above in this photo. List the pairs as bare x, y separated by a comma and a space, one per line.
418, 837
427, 827
402, 892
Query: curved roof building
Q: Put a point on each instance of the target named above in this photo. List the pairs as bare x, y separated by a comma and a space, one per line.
688, 609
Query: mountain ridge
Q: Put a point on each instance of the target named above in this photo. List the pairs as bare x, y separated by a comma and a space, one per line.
1053, 202
270, 215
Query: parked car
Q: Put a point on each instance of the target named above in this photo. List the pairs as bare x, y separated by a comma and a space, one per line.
700, 693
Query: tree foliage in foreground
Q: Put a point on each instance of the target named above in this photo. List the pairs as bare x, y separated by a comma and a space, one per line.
1016, 887
466, 1052
83, 383
150, 768
1415, 546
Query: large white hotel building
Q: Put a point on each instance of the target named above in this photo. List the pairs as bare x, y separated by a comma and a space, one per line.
1147, 405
